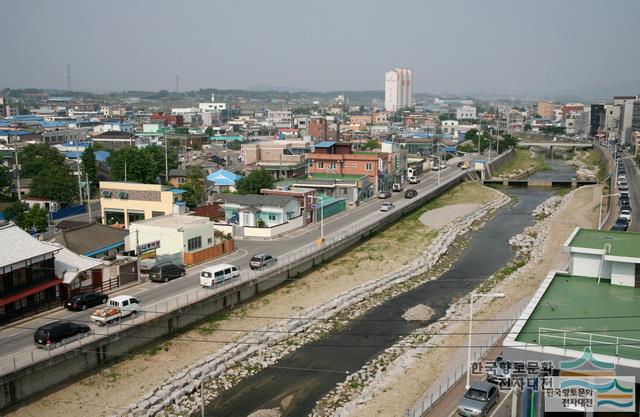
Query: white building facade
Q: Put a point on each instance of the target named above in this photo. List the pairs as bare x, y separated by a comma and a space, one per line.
465, 112
398, 89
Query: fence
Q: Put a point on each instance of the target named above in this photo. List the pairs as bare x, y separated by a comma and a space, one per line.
68, 211
287, 262
434, 395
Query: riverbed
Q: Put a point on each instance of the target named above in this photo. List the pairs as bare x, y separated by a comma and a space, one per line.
300, 379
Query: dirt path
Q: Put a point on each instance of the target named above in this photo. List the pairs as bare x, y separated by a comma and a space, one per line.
407, 389
106, 392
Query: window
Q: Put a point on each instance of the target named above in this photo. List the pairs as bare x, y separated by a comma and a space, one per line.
368, 166
106, 194
157, 213
123, 195
333, 165
320, 165
273, 217
194, 243
209, 240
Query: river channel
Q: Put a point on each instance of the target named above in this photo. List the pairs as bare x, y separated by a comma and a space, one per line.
304, 376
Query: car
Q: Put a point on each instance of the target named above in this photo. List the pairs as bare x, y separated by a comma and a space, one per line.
435, 167
625, 213
56, 332
463, 165
387, 206
624, 201
384, 194
624, 194
84, 301
414, 179
622, 177
262, 260
479, 399
623, 186
443, 165
621, 225
166, 272
397, 187
410, 193
500, 371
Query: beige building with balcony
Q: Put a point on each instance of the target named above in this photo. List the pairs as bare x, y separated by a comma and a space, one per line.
282, 158
123, 203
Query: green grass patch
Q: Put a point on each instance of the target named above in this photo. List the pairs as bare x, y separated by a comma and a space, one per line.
541, 164
520, 163
213, 323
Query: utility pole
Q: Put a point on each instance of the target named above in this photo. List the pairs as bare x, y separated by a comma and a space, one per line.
88, 196
166, 156
18, 174
125, 171
79, 172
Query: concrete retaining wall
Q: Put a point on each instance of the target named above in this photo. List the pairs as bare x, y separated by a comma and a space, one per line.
26, 382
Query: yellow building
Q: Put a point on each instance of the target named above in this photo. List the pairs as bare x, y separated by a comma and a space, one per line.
123, 203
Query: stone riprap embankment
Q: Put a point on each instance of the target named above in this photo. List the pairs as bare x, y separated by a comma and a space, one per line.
180, 395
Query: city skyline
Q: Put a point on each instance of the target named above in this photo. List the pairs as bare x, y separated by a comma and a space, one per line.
521, 50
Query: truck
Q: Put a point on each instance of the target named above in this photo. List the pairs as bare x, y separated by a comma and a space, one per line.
119, 307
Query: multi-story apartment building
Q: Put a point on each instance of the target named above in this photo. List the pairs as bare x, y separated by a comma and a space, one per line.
398, 89
466, 112
627, 104
281, 158
280, 118
546, 109
597, 119
339, 159
123, 203
612, 119
318, 128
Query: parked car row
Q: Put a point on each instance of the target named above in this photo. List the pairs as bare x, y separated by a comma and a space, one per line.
624, 216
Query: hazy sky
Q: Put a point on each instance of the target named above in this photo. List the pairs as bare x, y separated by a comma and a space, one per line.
508, 47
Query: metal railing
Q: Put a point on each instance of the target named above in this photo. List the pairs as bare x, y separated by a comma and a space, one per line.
581, 340
436, 393
23, 359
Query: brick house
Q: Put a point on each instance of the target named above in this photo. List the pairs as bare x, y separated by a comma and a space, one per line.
339, 159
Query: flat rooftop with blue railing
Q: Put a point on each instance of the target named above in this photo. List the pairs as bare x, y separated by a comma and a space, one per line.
576, 312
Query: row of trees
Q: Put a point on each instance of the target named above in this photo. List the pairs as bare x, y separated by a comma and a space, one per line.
485, 140
143, 165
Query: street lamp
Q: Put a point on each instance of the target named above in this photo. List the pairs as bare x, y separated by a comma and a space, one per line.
600, 210
472, 296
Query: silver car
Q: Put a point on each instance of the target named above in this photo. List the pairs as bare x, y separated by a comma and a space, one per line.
479, 399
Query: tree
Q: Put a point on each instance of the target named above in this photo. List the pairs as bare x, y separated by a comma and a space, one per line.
472, 135
54, 183
157, 153
89, 166
371, 144
5, 178
34, 158
194, 187
141, 166
36, 219
209, 131
254, 182
15, 211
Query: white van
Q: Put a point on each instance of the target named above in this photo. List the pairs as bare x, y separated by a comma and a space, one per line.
126, 303
218, 274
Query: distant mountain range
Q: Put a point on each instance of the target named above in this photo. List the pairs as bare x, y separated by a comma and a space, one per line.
269, 87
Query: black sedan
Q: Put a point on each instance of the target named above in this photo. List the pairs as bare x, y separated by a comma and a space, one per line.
84, 301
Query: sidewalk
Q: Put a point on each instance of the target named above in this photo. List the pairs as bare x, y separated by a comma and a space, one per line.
484, 334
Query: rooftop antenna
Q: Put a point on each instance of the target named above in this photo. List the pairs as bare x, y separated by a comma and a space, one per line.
68, 77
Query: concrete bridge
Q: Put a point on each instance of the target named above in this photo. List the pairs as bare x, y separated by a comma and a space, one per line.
554, 145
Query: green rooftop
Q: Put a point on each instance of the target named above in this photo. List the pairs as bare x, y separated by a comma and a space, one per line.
622, 243
332, 177
599, 312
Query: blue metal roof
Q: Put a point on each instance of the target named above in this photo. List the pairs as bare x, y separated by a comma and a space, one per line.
14, 132
73, 155
177, 191
223, 177
325, 144
102, 155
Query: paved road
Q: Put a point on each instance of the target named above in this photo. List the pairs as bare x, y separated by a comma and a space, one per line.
633, 178
19, 337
